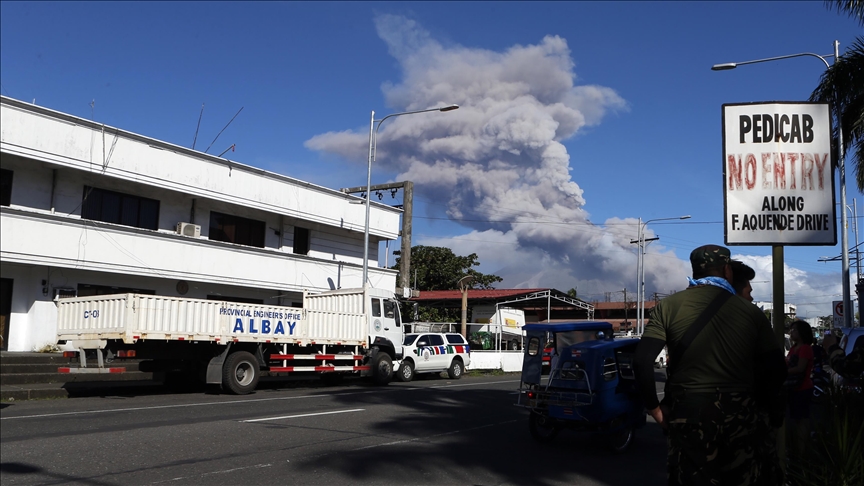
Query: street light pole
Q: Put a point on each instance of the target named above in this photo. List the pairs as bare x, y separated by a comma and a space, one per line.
640, 288
373, 138
841, 162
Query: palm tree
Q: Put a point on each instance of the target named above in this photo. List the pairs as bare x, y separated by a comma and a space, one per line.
842, 85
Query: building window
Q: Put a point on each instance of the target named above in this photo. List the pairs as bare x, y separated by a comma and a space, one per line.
234, 229
301, 240
86, 290
5, 187
238, 300
119, 208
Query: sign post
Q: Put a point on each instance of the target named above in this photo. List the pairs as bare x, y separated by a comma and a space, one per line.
778, 181
837, 305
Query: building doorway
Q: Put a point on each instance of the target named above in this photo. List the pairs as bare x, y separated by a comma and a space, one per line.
5, 311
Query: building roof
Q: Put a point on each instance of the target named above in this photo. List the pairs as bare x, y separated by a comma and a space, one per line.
620, 305
428, 295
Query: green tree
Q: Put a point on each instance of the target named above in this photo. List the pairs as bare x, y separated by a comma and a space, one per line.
438, 268
572, 292
842, 85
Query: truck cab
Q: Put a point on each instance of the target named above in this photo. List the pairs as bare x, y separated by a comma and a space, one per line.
385, 321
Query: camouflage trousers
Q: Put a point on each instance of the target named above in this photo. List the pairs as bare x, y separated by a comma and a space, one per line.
720, 439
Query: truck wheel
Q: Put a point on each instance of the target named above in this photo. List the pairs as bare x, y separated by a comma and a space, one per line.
512, 346
619, 441
406, 371
240, 373
382, 368
543, 429
455, 371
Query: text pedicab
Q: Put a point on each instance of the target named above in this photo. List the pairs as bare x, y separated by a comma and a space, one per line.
590, 387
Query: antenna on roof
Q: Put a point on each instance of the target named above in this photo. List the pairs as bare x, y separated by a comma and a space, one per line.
199, 126
231, 148
226, 126
92, 109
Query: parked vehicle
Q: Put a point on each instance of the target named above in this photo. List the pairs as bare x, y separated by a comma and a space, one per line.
497, 328
433, 353
348, 331
591, 386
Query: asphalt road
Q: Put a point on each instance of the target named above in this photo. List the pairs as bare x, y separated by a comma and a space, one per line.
430, 431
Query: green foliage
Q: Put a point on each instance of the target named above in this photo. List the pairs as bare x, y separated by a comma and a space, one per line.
432, 314
835, 456
438, 268
572, 292
842, 85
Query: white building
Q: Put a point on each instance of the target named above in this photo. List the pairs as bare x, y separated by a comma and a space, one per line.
89, 209
790, 310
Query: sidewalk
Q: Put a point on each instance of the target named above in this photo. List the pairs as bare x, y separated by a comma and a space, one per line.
33, 376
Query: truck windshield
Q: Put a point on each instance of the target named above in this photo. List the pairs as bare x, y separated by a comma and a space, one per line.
409, 339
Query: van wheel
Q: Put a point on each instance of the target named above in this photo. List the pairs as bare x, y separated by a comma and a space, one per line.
240, 373
382, 368
406, 371
455, 370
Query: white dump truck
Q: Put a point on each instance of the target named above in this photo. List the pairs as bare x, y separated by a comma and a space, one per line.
334, 333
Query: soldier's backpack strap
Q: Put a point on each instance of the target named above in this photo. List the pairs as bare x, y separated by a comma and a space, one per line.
704, 318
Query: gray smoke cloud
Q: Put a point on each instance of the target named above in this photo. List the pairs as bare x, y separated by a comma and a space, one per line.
497, 165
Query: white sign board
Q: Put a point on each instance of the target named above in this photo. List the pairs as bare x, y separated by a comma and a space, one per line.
778, 180
837, 305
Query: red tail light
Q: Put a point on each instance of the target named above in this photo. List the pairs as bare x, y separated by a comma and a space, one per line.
123, 353
70, 354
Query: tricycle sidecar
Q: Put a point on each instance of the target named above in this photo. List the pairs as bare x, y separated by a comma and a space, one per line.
590, 385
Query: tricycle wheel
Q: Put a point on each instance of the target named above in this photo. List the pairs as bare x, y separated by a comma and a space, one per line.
620, 440
542, 428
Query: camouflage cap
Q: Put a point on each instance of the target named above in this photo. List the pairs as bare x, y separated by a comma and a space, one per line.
709, 256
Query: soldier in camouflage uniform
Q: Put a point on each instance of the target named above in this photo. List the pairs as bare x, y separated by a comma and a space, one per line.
713, 394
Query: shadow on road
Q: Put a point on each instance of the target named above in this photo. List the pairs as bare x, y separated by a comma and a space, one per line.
481, 430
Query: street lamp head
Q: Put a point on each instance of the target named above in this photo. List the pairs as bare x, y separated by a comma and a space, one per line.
724, 67
449, 108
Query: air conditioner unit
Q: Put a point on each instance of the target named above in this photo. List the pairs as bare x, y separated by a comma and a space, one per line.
189, 229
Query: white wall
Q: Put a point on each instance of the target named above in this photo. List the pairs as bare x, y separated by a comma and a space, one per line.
41, 134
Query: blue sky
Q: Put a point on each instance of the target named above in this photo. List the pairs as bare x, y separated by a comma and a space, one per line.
577, 118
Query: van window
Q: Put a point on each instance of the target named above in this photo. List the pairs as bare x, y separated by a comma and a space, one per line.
455, 339
376, 307
435, 340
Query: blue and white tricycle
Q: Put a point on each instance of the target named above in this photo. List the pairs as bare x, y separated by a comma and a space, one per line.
590, 386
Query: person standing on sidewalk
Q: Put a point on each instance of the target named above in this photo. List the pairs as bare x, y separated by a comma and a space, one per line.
800, 363
713, 391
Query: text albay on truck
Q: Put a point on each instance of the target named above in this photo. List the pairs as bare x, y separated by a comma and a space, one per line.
347, 331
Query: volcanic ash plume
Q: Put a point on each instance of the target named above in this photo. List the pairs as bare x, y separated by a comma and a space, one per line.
497, 165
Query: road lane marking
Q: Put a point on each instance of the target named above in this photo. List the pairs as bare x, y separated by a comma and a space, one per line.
257, 466
241, 402
304, 415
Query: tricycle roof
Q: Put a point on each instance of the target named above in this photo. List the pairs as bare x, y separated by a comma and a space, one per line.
569, 326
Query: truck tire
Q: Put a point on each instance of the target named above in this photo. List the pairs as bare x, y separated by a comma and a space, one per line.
406, 371
240, 373
382, 368
456, 369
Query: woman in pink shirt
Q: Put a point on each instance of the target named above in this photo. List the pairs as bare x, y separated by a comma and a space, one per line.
799, 361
